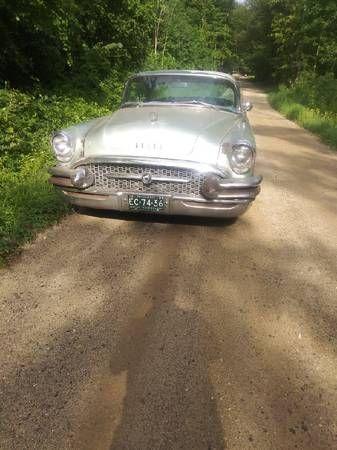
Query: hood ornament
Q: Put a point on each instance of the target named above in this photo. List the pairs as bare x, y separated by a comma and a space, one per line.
153, 117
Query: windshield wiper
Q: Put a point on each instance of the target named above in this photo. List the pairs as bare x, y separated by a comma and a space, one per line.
150, 102
177, 102
210, 105
201, 103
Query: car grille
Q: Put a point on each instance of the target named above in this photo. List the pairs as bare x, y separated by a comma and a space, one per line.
111, 178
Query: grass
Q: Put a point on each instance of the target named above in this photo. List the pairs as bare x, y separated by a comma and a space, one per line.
28, 203
313, 118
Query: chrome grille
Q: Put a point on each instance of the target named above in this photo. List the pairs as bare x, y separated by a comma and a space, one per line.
110, 178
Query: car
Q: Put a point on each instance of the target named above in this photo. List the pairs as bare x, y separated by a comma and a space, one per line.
180, 144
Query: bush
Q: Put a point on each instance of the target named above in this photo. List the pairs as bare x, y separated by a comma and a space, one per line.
317, 92
302, 104
27, 202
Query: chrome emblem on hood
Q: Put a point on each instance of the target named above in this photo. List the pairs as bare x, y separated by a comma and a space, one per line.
153, 117
147, 179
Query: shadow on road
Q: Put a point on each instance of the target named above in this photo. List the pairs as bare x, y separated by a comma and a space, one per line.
160, 329
170, 401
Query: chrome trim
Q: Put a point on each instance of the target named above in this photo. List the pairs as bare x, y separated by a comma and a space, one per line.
238, 196
244, 142
112, 177
67, 137
207, 73
245, 188
237, 144
180, 206
178, 163
60, 181
234, 194
55, 133
153, 178
83, 178
242, 198
61, 171
246, 106
219, 201
241, 183
203, 201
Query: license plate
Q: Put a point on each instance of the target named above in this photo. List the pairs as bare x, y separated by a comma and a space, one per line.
147, 203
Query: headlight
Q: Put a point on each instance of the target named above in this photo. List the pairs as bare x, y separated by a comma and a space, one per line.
63, 147
242, 158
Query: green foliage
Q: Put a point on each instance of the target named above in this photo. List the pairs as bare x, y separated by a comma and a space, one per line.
27, 121
191, 34
27, 202
47, 41
280, 39
305, 37
110, 90
303, 104
316, 92
295, 43
160, 61
52, 41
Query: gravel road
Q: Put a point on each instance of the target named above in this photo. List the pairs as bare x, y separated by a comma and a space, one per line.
146, 333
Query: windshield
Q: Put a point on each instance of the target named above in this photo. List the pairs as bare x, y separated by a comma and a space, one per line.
184, 89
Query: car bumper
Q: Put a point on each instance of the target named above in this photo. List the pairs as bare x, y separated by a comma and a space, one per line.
233, 198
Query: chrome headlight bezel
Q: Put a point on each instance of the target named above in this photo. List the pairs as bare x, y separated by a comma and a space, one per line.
82, 178
63, 147
242, 157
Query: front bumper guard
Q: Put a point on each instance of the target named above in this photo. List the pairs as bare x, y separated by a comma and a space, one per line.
231, 197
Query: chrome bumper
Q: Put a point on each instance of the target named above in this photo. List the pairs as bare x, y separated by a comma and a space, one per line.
233, 198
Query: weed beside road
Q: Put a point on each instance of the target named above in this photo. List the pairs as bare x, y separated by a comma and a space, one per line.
310, 102
27, 202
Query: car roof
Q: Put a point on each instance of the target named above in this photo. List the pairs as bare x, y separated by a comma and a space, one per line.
208, 73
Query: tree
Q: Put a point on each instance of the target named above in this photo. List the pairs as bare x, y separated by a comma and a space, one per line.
47, 40
280, 39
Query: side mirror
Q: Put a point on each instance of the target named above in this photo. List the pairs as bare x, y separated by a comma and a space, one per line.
246, 106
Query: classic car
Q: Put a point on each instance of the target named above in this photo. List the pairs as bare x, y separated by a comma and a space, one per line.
180, 143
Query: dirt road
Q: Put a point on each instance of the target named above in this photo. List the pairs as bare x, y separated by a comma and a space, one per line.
119, 333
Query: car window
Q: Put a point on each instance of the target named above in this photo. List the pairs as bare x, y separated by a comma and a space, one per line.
181, 89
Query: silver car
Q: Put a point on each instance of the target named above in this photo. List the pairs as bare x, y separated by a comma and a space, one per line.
180, 143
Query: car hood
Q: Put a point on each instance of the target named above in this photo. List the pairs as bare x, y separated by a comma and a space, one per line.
186, 133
